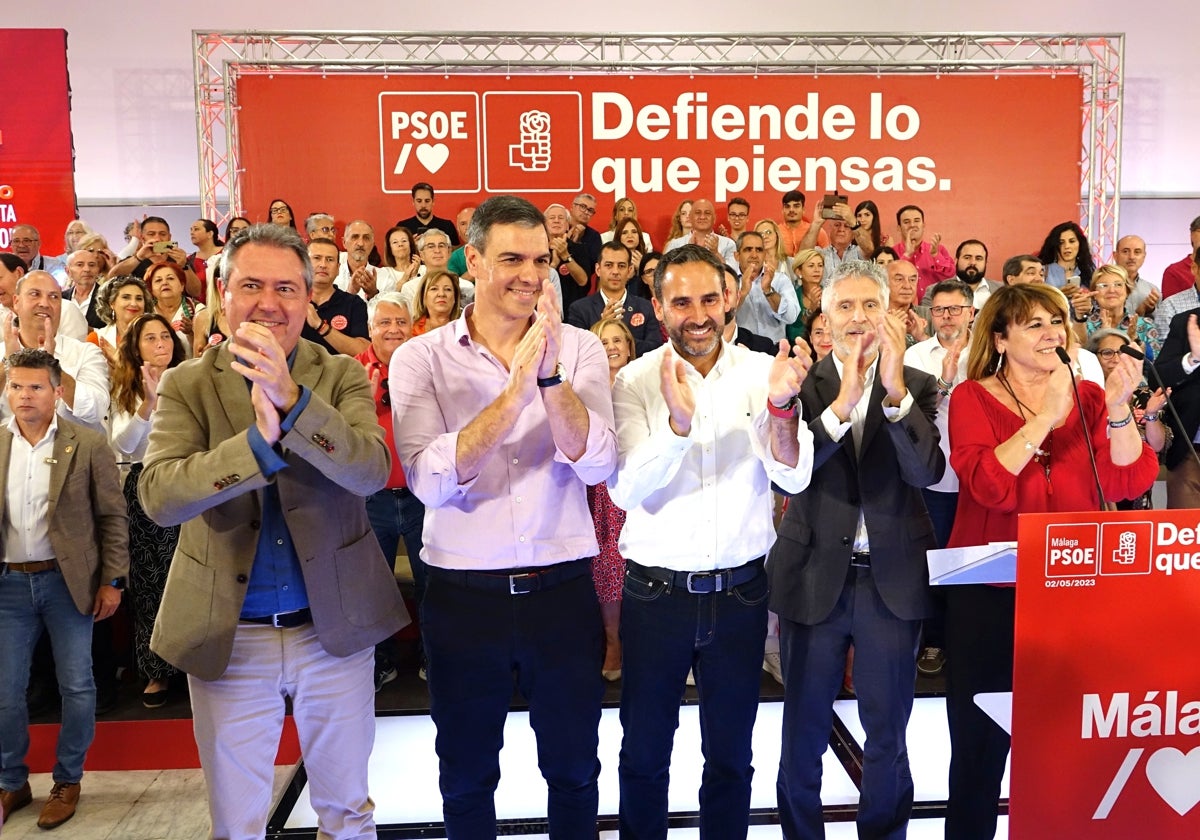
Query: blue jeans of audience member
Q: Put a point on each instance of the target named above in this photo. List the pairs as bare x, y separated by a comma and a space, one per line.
397, 515
553, 641
29, 602
665, 631
814, 660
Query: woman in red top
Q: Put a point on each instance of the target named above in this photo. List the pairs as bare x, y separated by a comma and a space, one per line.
1017, 444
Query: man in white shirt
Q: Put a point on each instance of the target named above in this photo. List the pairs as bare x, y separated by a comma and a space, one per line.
27, 244
83, 270
356, 275
703, 429
66, 557
771, 302
704, 216
38, 308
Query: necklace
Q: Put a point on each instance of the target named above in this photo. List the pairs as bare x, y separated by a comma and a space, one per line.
1041, 456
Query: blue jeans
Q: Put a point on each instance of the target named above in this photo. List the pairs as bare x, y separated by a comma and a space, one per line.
885, 663
553, 641
27, 603
665, 631
395, 516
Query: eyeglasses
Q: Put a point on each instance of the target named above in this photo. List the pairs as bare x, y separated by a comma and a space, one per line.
1108, 354
584, 208
326, 229
1100, 287
435, 246
24, 241
385, 397
275, 211
938, 311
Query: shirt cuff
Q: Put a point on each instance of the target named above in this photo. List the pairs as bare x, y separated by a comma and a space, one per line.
286, 424
1188, 363
894, 414
834, 427
269, 461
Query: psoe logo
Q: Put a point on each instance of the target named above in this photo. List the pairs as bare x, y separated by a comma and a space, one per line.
429, 136
534, 141
1071, 550
1126, 548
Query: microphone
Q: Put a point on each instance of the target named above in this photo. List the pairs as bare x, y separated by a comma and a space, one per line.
1065, 358
1133, 352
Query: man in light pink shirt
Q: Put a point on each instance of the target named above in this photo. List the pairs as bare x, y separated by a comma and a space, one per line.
502, 419
934, 263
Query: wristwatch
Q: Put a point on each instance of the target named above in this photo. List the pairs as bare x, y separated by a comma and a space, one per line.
117, 583
559, 376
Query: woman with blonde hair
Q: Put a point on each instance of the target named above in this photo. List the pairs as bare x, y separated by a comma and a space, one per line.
438, 301
775, 256
681, 222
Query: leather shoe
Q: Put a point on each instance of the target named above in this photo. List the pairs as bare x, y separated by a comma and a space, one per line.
60, 807
14, 800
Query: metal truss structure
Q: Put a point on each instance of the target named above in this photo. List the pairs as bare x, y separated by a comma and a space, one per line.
221, 57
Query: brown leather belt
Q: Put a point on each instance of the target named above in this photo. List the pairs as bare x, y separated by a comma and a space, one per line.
32, 568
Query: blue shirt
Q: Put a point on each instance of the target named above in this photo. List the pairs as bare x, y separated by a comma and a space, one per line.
276, 581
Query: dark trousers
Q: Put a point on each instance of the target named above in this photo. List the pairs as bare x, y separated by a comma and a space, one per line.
979, 629
941, 507
553, 641
814, 659
665, 631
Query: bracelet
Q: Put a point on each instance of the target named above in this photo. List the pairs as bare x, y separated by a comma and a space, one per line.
944, 387
1028, 443
325, 329
1120, 424
786, 411
1150, 416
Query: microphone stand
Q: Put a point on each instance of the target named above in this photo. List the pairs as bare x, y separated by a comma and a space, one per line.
1158, 381
1065, 358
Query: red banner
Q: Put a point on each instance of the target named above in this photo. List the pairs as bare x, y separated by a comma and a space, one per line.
985, 157
37, 176
1106, 693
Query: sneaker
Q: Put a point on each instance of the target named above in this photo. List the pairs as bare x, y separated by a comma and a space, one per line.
384, 674
773, 666
60, 807
931, 662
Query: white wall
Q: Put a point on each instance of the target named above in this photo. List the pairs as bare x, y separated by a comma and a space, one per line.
133, 107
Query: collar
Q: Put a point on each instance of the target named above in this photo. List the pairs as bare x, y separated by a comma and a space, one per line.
51, 430
868, 375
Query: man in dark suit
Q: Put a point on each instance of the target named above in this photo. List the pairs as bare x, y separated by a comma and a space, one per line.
849, 565
263, 450
66, 557
613, 301
1177, 364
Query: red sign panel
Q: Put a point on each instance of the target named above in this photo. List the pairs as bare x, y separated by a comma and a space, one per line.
986, 157
1106, 693
37, 176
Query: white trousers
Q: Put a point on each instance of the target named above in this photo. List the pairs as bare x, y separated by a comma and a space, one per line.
239, 717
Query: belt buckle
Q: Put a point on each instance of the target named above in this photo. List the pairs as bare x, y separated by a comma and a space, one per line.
716, 578
275, 620
512, 583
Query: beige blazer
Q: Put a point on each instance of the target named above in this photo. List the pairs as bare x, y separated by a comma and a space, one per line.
201, 473
89, 528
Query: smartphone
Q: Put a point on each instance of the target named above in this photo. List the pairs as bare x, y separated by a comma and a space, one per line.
829, 202
162, 247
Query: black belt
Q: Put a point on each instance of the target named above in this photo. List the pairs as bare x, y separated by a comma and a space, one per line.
860, 560
295, 618
516, 581
702, 583
398, 492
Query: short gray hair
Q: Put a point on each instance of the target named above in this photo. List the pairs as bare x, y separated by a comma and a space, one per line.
849, 270
310, 224
270, 236
394, 298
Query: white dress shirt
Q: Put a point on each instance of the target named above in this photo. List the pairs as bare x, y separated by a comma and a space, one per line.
836, 429
726, 246
700, 502
27, 524
928, 355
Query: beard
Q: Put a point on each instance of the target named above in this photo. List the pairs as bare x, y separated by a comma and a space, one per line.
970, 275
691, 346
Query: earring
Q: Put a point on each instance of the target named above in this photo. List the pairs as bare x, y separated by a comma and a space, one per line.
1000, 361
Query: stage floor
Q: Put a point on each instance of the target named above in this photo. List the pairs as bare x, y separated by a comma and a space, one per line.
403, 774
